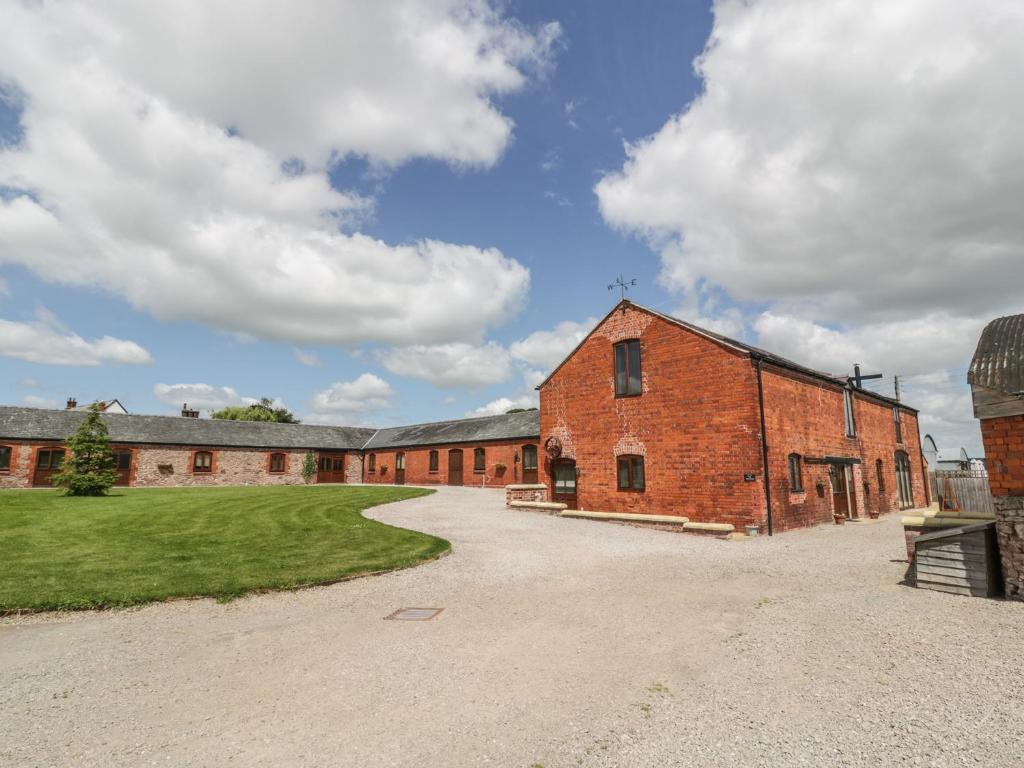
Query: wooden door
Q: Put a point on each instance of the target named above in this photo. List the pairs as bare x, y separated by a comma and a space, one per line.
529, 463
903, 484
123, 464
455, 466
563, 478
399, 468
331, 468
48, 461
843, 499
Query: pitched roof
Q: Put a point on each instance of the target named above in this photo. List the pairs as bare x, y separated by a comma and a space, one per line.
999, 359
739, 346
43, 424
504, 427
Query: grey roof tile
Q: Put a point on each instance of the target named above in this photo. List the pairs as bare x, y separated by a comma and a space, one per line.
504, 427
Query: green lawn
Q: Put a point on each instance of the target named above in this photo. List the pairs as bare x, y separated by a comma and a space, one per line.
140, 545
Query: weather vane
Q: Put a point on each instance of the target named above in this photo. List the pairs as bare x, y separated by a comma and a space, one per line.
622, 285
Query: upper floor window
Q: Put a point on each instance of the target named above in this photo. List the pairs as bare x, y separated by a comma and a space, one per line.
433, 461
627, 368
277, 462
898, 421
5, 458
796, 479
372, 463
851, 424
202, 462
479, 460
631, 473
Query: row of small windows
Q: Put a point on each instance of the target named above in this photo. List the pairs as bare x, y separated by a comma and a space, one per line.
479, 460
796, 479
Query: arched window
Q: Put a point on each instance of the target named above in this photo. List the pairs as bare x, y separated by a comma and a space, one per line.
202, 462
372, 463
479, 460
880, 475
277, 463
631, 473
5, 458
434, 461
796, 474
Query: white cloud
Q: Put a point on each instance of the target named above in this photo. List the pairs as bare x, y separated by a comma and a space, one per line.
503, 405
866, 176
367, 393
451, 365
35, 401
180, 160
202, 397
546, 349
48, 342
306, 357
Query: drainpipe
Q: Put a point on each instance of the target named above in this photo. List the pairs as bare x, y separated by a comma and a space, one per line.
764, 446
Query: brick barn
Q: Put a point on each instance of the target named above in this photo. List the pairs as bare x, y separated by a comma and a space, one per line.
154, 451
653, 415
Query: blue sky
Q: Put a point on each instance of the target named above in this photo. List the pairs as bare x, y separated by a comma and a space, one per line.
581, 147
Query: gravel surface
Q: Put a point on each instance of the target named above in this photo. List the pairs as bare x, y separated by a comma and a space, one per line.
562, 643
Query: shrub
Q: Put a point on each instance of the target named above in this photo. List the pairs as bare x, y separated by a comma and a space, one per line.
309, 467
90, 470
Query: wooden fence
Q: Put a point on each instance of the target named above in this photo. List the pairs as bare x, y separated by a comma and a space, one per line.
963, 489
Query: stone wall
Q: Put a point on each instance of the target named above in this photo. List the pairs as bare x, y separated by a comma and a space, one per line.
353, 468
1010, 534
162, 466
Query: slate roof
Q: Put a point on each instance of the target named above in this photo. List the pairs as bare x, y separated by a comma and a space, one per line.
999, 359
505, 427
749, 349
43, 424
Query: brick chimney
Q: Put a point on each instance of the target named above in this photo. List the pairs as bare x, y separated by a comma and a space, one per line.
189, 413
72, 404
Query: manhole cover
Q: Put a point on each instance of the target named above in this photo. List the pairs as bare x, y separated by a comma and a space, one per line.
414, 614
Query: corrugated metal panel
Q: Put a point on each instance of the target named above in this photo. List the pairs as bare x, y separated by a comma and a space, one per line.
999, 359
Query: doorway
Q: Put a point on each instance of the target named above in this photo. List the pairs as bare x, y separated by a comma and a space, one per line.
123, 464
399, 468
844, 497
455, 466
48, 461
530, 464
331, 468
903, 484
563, 475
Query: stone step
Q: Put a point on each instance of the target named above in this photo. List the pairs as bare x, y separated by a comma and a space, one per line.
527, 487
626, 517
709, 527
552, 506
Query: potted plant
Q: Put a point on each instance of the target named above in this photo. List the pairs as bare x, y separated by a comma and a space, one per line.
839, 518
499, 468
873, 514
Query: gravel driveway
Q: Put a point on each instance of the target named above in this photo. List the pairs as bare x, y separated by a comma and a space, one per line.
562, 643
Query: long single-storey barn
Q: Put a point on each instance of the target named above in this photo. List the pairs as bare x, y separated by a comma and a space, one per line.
173, 451
654, 415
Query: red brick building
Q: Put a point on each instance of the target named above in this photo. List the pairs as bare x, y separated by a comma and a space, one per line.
653, 415
188, 451
996, 377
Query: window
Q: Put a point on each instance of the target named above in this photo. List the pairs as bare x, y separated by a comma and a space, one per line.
373, 463
337, 463
50, 458
898, 421
277, 462
399, 461
627, 369
631, 473
880, 475
565, 478
203, 462
5, 458
433, 461
796, 475
123, 459
530, 457
851, 425
479, 460
324, 465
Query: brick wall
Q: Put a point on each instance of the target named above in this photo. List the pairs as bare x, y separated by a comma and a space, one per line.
697, 423
417, 464
1004, 452
805, 416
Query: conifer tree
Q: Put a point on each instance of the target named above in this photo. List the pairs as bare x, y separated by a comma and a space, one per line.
90, 470
309, 467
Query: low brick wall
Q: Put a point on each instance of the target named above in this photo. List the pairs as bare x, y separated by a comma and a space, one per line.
1010, 535
529, 492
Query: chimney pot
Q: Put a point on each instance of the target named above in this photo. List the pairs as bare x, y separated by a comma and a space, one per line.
72, 403
188, 413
